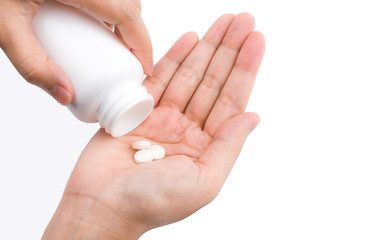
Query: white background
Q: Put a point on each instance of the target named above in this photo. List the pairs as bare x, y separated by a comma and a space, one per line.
313, 169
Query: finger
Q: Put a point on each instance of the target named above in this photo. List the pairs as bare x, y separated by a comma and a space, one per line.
33, 63
220, 67
218, 159
236, 91
135, 37
190, 73
166, 67
129, 25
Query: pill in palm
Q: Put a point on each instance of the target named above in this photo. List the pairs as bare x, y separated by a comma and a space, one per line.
144, 155
139, 145
158, 151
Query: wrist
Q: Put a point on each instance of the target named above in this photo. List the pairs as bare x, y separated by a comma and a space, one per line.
85, 218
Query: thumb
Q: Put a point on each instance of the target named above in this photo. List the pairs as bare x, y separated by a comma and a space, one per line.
33, 63
222, 153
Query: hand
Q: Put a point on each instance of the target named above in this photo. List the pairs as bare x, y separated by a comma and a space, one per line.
201, 90
33, 63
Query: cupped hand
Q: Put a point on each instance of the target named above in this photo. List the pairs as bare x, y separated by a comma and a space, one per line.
201, 89
29, 58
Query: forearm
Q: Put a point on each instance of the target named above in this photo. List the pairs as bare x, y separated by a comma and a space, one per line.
84, 218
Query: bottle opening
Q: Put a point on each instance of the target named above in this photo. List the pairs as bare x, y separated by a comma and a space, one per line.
124, 109
130, 117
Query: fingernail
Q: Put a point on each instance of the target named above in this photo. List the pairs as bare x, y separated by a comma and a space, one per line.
60, 94
150, 67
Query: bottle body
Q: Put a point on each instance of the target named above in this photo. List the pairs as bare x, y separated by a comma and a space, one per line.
102, 70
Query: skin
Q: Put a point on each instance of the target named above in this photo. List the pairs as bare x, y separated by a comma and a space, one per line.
33, 63
201, 89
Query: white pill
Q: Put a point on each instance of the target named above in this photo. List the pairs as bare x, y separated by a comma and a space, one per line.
139, 145
158, 152
144, 155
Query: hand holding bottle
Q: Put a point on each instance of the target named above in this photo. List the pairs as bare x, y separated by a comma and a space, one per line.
29, 58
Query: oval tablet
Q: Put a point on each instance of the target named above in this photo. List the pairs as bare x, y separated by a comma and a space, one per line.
158, 151
143, 156
139, 145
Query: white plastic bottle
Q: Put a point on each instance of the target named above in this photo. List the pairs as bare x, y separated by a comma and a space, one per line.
105, 75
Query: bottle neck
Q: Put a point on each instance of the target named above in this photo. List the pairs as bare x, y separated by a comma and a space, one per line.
125, 108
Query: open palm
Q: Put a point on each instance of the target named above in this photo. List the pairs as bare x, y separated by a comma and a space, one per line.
201, 89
